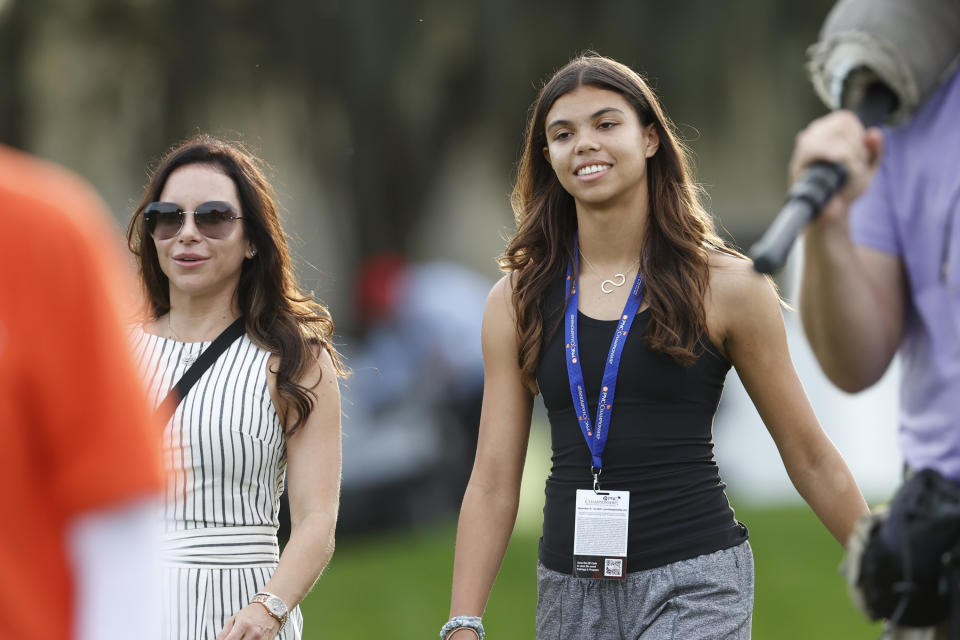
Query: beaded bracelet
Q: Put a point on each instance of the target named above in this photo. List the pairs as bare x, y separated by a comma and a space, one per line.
463, 622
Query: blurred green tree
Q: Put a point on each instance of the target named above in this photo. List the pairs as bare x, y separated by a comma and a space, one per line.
371, 97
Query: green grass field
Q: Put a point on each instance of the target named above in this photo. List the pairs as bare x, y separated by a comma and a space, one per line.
398, 585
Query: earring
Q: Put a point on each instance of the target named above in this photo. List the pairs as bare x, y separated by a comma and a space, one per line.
253, 252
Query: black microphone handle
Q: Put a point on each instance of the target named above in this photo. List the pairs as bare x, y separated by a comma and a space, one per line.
806, 198
814, 188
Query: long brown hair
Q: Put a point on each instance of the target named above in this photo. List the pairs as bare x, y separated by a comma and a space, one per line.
678, 238
278, 316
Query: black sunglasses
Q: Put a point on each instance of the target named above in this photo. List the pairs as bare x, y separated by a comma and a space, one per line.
164, 220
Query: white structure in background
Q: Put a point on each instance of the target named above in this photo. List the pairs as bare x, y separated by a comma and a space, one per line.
863, 426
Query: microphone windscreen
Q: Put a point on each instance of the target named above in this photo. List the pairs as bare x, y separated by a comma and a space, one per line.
911, 46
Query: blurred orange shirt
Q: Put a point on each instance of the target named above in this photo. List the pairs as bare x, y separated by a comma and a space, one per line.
76, 434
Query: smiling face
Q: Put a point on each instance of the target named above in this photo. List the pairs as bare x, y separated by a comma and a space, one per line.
598, 148
194, 264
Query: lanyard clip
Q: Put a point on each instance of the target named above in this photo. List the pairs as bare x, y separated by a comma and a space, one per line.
596, 478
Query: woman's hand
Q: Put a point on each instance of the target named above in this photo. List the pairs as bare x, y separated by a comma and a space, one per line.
250, 623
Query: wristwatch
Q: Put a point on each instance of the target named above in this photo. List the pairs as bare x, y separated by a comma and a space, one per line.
274, 606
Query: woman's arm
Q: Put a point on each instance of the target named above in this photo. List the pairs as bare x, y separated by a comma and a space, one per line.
746, 310
313, 474
489, 507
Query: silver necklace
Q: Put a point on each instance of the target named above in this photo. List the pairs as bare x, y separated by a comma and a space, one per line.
189, 357
618, 278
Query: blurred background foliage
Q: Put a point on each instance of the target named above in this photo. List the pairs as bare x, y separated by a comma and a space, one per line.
394, 126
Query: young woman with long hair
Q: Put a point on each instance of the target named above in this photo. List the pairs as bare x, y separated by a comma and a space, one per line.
211, 253
625, 310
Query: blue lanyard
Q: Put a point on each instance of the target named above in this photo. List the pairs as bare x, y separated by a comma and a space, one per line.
596, 434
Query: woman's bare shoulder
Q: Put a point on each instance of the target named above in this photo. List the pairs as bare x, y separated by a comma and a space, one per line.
500, 298
740, 301
734, 281
149, 326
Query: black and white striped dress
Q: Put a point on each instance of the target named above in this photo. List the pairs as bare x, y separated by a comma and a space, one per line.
225, 454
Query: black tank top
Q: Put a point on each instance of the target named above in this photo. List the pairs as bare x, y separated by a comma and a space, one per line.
660, 445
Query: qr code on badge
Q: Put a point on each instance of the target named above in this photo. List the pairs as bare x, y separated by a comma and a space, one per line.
613, 567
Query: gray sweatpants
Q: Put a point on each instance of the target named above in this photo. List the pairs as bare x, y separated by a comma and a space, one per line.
709, 597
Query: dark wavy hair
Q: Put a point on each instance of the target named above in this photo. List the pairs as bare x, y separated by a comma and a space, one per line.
278, 316
678, 238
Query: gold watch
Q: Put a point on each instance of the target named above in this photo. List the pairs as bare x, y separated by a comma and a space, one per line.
276, 607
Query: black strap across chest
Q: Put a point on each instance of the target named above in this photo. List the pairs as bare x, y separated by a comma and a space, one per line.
179, 391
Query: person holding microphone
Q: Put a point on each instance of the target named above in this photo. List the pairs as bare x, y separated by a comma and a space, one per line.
881, 272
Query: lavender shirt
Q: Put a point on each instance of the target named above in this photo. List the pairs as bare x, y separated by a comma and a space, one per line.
912, 210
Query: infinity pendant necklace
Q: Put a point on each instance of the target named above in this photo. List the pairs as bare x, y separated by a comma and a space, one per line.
618, 279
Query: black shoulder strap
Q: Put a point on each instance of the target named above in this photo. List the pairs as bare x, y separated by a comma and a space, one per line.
207, 358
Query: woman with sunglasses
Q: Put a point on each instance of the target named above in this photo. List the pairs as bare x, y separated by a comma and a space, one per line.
626, 310
211, 253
